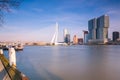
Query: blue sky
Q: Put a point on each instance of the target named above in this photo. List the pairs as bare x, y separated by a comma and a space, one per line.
35, 20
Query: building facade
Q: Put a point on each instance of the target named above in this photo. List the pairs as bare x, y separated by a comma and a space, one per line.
115, 36
98, 29
66, 36
92, 27
80, 40
86, 37
67, 39
75, 39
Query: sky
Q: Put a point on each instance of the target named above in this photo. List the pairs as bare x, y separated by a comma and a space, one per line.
35, 20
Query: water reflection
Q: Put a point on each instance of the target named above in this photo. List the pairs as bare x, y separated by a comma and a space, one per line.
70, 62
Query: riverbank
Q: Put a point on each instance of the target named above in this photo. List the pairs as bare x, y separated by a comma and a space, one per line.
3, 73
8, 72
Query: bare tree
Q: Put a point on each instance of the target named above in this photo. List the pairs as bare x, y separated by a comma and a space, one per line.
5, 5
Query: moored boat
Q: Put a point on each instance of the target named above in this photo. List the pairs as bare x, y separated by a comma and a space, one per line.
19, 47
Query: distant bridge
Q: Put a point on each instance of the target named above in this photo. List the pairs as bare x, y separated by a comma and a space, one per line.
55, 36
54, 40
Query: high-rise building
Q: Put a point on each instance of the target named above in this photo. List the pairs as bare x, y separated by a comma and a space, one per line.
75, 40
98, 28
67, 39
66, 36
80, 40
86, 37
115, 35
65, 32
92, 27
102, 27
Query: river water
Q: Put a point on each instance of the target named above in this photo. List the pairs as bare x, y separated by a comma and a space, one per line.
83, 62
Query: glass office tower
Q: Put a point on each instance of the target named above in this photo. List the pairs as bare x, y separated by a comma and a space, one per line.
98, 28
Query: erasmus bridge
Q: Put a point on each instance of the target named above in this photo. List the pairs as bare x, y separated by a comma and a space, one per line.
54, 40
55, 36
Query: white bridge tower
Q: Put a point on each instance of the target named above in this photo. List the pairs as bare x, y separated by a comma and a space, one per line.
55, 36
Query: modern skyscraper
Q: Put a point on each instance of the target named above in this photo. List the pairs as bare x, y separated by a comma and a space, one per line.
75, 40
67, 39
65, 32
98, 28
86, 37
102, 27
66, 36
92, 27
115, 35
80, 40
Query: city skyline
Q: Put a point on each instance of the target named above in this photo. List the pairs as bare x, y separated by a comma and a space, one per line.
35, 20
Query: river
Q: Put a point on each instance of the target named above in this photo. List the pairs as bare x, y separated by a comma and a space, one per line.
82, 62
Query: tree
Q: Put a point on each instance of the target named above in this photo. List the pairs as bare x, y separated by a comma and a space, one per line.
5, 5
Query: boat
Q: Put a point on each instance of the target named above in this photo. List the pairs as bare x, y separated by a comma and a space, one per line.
4, 47
18, 47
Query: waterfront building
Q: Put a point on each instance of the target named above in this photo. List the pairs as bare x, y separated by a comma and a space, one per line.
115, 36
80, 40
92, 27
65, 32
66, 36
67, 39
75, 40
98, 29
102, 27
86, 37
